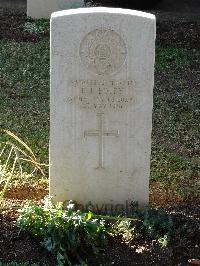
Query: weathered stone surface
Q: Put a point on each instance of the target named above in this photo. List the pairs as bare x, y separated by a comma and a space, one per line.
44, 8
102, 74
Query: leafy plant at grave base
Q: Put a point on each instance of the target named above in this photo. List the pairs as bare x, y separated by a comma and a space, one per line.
126, 229
70, 234
163, 241
15, 156
154, 222
36, 26
148, 222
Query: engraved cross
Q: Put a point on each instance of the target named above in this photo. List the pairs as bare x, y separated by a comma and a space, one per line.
101, 133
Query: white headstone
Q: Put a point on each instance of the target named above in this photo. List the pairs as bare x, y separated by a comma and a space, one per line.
44, 8
102, 75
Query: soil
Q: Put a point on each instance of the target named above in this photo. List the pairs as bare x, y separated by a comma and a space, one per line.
22, 247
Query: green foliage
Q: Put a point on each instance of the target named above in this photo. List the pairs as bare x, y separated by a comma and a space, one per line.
163, 241
36, 26
147, 223
70, 234
126, 229
154, 222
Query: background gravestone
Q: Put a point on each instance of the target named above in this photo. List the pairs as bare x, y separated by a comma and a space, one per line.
44, 8
102, 69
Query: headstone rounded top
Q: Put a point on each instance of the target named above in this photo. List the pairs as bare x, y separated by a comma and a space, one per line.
103, 51
108, 10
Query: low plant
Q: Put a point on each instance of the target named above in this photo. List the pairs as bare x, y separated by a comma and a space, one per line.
125, 229
163, 241
144, 223
153, 222
69, 234
36, 26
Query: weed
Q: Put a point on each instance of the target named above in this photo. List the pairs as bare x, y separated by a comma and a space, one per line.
163, 241
151, 221
126, 229
147, 223
12, 153
70, 234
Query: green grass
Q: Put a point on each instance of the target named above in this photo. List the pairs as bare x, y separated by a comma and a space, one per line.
175, 172
171, 58
24, 97
36, 26
176, 115
24, 108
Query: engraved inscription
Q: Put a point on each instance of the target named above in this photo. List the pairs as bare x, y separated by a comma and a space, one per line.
101, 133
103, 51
102, 95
